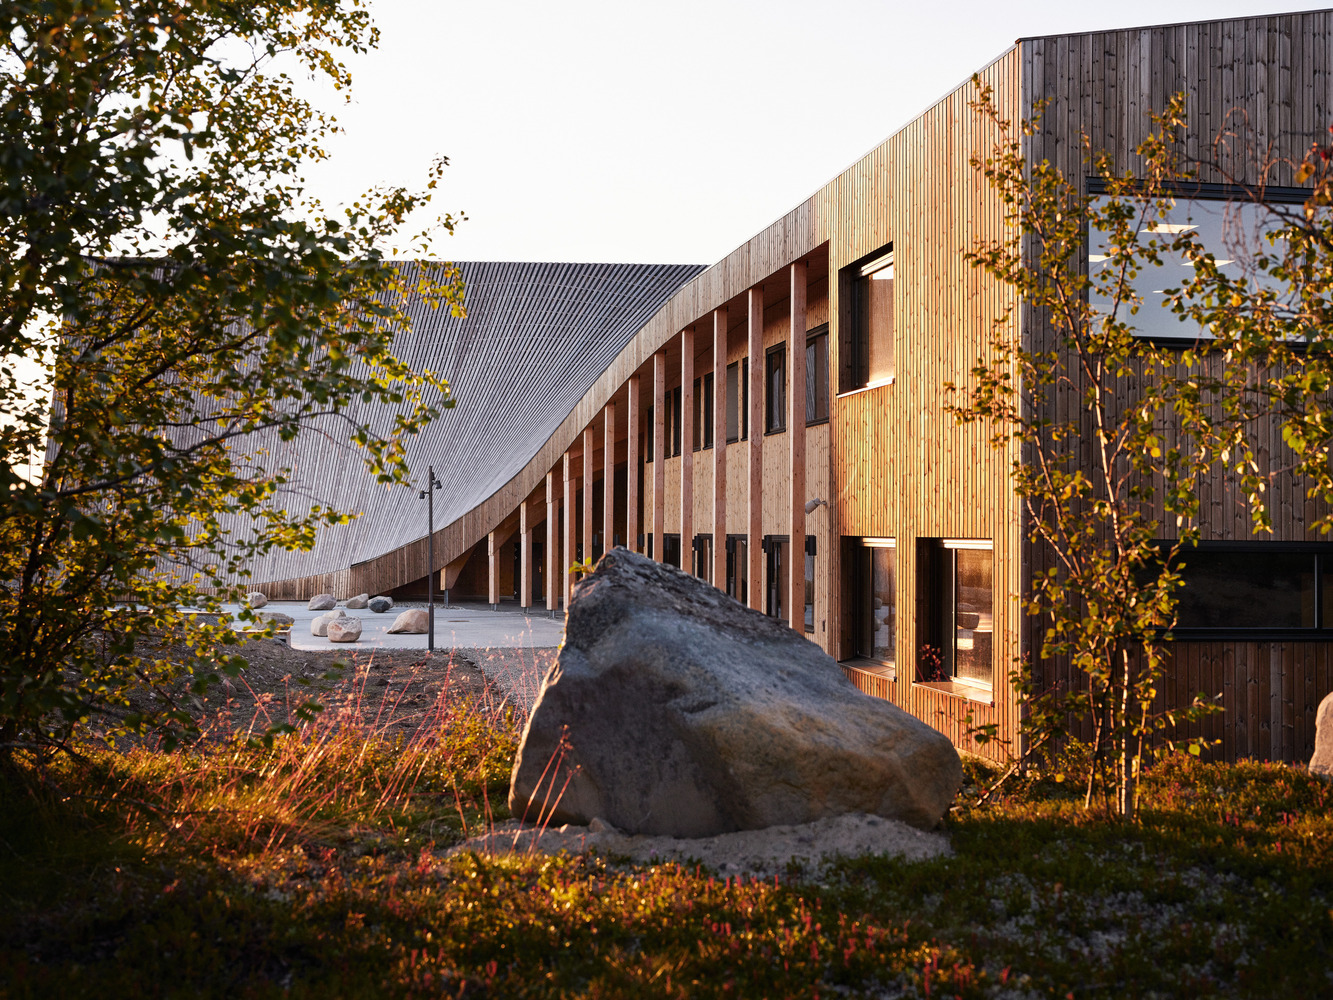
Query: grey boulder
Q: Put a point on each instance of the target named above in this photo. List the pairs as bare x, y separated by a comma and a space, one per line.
255, 600
344, 629
358, 602
1321, 763
414, 620
321, 602
320, 625
673, 710
277, 617
379, 605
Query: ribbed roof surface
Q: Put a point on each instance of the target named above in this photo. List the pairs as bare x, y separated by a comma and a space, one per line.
535, 338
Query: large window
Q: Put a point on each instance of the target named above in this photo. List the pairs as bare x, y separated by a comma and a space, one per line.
865, 323
876, 601
738, 400
958, 589
816, 376
1232, 229
1249, 587
738, 568
775, 402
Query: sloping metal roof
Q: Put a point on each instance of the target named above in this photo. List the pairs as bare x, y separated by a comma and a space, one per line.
535, 338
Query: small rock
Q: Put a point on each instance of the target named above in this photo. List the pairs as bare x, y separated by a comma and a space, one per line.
599, 825
256, 600
414, 620
1321, 764
277, 617
358, 602
322, 602
344, 629
320, 625
379, 605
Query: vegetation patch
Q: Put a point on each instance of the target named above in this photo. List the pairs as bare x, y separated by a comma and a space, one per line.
314, 866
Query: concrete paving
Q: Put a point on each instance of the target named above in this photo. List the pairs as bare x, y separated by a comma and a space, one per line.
462, 627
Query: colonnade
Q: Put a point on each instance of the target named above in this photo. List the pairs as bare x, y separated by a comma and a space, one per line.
562, 482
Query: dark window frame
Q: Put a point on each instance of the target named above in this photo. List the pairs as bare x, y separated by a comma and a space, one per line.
863, 549
742, 368
774, 597
853, 321
702, 431
775, 414
936, 611
1322, 631
810, 570
813, 339
732, 543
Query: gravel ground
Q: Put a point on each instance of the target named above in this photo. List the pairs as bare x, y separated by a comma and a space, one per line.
760, 853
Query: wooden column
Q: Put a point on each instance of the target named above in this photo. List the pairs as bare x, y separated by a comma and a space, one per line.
587, 491
552, 545
609, 479
796, 442
687, 450
720, 448
754, 303
568, 527
493, 569
524, 557
659, 452
632, 467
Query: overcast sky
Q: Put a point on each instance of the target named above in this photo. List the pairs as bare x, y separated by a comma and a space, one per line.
669, 132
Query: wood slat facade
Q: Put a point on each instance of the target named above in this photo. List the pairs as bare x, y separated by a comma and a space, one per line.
891, 461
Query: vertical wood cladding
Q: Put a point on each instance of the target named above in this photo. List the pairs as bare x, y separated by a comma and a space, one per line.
1255, 89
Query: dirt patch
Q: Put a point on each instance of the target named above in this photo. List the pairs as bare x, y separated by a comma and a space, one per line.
761, 853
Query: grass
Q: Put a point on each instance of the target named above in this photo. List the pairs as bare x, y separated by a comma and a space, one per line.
315, 868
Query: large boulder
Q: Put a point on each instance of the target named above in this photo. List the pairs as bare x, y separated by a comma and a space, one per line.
358, 602
1322, 761
322, 602
672, 709
414, 620
320, 624
344, 629
380, 605
255, 600
277, 617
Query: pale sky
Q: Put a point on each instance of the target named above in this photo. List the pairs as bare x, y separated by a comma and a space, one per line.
670, 132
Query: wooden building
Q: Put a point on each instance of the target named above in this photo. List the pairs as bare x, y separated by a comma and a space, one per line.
808, 365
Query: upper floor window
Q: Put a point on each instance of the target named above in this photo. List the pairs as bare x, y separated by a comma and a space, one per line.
865, 324
738, 400
703, 412
775, 405
816, 376
1233, 228
673, 422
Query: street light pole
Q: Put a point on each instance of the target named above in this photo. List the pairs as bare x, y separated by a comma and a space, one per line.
428, 494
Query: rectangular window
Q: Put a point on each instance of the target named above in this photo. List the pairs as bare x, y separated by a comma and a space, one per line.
703, 557
777, 552
816, 377
810, 583
865, 322
671, 550
876, 597
703, 413
1225, 222
1248, 587
958, 585
738, 565
673, 443
738, 400
648, 435
775, 405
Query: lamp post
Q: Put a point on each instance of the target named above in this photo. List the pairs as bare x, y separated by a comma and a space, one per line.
428, 494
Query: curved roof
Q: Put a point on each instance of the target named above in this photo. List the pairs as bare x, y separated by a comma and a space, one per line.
535, 338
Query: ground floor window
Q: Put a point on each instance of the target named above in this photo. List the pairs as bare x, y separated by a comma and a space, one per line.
957, 589
703, 557
810, 583
671, 550
777, 562
738, 568
1244, 587
876, 600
